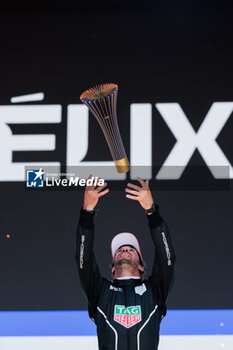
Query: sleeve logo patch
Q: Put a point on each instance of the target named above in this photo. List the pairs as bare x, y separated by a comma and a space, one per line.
127, 316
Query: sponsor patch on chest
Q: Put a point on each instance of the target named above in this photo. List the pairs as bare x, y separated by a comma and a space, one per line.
115, 289
140, 289
127, 316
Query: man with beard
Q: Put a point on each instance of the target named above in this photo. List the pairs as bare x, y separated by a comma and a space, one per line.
127, 310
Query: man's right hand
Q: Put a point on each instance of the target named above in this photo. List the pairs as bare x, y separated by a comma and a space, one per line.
92, 195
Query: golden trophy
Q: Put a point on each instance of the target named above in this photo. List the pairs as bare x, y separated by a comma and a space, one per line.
101, 101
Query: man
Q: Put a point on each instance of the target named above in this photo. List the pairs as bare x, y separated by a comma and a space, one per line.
127, 310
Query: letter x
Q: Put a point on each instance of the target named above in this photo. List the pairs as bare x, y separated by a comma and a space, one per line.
188, 140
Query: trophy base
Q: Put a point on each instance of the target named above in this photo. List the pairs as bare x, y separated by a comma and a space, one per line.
122, 165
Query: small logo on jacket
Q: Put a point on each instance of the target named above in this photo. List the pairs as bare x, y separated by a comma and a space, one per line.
127, 316
140, 289
116, 289
35, 178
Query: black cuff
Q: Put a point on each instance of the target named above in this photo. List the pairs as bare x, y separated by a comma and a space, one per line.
87, 218
154, 219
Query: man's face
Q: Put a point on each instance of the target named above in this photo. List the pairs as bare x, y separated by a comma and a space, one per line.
126, 255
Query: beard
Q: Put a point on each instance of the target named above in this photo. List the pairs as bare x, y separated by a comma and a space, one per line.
123, 261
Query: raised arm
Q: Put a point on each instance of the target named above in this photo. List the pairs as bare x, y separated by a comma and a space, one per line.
164, 260
88, 269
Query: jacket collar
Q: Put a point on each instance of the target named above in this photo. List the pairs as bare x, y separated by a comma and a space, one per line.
128, 282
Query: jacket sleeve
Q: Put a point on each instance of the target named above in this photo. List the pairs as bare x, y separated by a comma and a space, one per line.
163, 267
88, 269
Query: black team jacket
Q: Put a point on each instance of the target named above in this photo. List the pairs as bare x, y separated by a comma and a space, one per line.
127, 312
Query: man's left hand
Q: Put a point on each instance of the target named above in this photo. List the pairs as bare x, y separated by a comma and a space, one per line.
141, 194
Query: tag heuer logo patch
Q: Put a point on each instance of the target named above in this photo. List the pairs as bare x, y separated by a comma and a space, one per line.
127, 316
